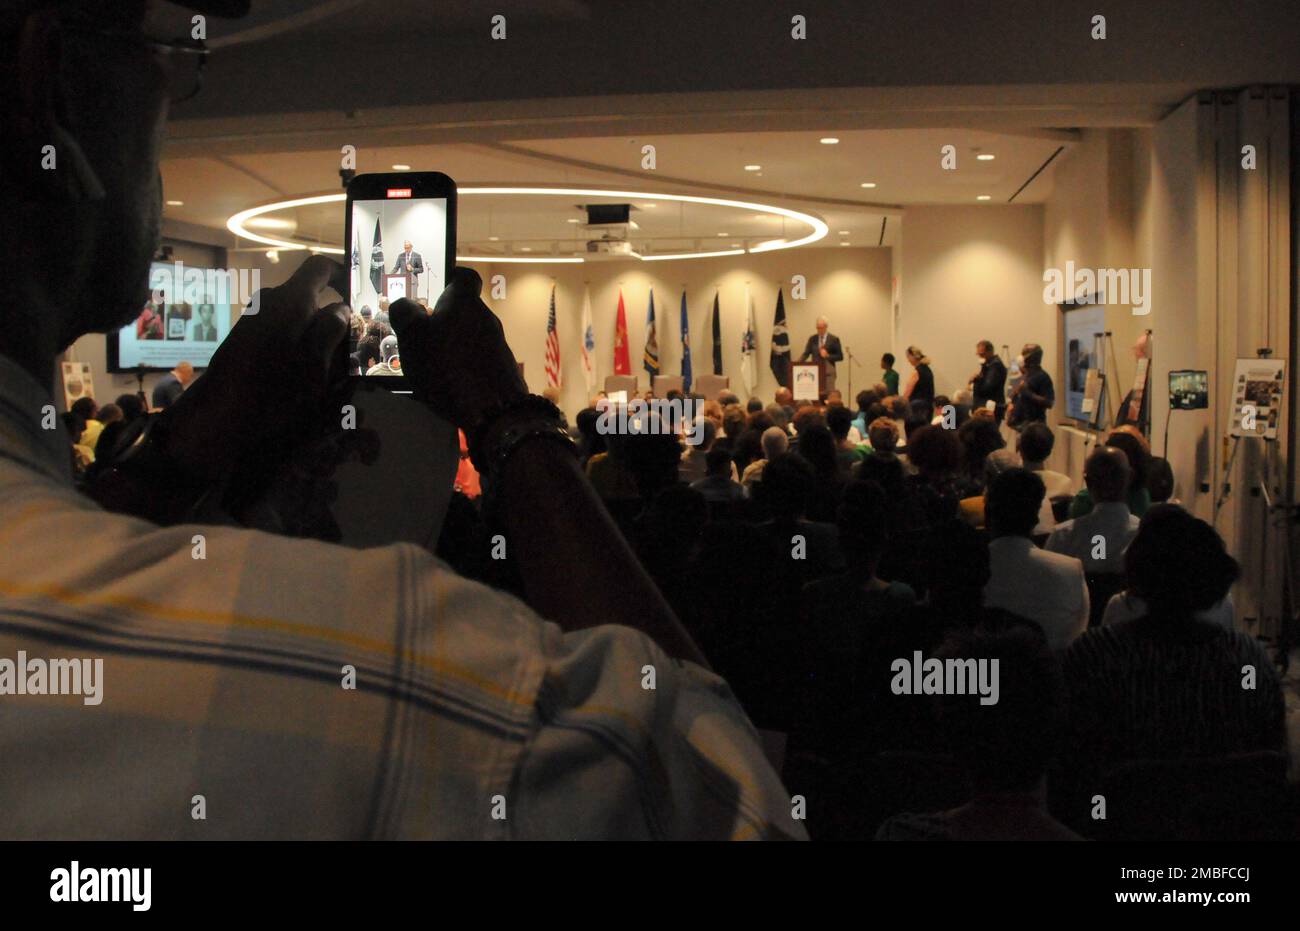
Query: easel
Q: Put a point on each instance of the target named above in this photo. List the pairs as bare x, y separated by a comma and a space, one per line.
1274, 508
139, 386
1283, 510
1103, 416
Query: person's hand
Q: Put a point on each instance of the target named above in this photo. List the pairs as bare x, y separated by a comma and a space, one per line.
824, 353
456, 358
265, 387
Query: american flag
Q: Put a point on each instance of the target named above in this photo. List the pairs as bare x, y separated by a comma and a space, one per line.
552, 347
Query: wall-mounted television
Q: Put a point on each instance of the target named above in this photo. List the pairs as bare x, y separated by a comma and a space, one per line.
186, 317
1189, 390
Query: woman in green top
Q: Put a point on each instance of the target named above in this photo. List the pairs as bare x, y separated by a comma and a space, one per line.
890, 376
1129, 441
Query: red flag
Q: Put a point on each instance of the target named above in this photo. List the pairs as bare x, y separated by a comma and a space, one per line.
622, 358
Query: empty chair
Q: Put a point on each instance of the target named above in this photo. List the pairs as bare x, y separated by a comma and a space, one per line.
621, 383
710, 386
666, 383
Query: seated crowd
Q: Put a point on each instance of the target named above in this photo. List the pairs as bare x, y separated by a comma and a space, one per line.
807, 547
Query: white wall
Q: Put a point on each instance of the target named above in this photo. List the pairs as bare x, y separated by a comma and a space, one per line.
848, 286
1127, 199
851, 287
972, 273
1179, 320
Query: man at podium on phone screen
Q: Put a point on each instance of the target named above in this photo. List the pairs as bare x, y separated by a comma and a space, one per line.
409, 263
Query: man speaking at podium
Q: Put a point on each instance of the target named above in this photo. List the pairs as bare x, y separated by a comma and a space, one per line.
824, 345
409, 263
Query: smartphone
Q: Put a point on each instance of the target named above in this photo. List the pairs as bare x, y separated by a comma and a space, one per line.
401, 242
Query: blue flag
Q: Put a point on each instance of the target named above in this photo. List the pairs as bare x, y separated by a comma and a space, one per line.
686, 348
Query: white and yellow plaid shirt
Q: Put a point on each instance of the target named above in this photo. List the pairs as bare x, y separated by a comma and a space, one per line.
223, 677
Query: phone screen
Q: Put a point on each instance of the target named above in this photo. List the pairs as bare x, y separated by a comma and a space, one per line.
398, 249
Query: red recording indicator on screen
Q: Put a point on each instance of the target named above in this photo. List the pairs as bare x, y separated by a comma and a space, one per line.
399, 192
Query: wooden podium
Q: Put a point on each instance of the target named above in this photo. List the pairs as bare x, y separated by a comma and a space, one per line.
809, 381
399, 286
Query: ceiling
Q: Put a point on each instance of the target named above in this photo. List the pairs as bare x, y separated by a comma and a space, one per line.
579, 87
797, 171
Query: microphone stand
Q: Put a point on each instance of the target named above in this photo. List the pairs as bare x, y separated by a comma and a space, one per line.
139, 386
852, 362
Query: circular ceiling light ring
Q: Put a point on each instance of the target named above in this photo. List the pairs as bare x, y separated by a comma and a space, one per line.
819, 229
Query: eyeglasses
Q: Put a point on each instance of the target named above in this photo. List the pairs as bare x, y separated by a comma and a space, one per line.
182, 60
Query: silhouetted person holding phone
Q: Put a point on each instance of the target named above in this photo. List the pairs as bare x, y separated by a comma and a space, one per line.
228, 674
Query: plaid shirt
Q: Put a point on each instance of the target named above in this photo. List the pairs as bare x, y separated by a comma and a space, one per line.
223, 678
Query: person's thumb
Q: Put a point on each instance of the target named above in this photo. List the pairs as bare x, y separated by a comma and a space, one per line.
325, 331
404, 314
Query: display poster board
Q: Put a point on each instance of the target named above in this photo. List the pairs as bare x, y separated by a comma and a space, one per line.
1090, 407
78, 382
1257, 397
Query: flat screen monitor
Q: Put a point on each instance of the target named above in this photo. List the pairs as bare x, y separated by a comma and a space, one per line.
186, 317
1189, 390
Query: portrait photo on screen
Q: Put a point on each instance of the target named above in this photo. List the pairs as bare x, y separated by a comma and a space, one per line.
189, 312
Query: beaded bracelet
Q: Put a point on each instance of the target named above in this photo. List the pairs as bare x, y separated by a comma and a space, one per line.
507, 426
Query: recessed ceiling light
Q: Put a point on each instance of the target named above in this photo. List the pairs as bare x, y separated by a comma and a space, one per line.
844, 232
724, 234
573, 220
401, 168
175, 203
649, 206
985, 157
868, 184
753, 167
828, 140
735, 245
525, 248
984, 197
493, 238
845, 244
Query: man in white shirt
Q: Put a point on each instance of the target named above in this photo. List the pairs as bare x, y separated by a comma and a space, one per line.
1043, 587
303, 689
1035, 443
1099, 538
